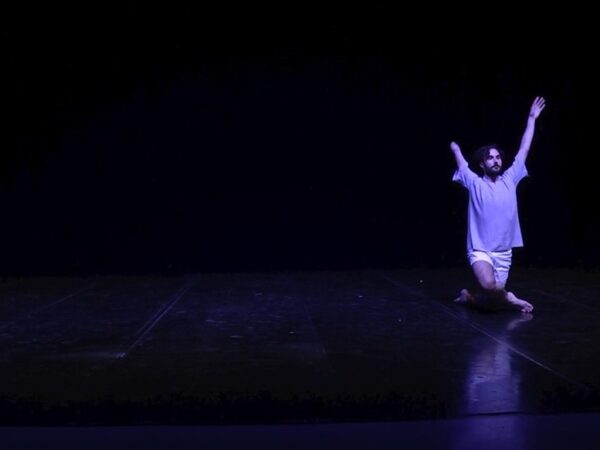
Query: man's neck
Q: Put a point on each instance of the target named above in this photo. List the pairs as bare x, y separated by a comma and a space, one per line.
492, 178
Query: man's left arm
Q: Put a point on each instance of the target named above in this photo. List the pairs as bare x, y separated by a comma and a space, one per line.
534, 112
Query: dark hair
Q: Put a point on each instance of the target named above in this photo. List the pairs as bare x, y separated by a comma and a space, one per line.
481, 154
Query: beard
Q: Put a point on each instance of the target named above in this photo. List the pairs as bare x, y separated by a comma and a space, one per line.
493, 171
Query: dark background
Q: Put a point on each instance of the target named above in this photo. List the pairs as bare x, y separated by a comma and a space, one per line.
155, 139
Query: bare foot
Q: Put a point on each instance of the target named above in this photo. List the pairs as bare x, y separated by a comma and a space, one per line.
464, 298
523, 305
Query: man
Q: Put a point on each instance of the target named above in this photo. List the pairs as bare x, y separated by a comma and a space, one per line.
493, 221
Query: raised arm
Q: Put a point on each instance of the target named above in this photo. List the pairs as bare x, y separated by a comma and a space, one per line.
460, 159
534, 112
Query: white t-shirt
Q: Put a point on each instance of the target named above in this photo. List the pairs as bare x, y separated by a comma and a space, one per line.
493, 219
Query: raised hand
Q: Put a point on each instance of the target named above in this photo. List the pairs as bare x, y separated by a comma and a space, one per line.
536, 107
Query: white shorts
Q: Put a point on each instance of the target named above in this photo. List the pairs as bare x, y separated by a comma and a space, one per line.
500, 262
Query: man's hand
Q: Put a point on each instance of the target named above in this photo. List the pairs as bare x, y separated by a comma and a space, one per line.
536, 107
458, 156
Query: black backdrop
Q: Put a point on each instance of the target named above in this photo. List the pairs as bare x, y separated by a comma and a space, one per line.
164, 140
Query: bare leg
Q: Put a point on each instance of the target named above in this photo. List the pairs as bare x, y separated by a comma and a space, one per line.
494, 297
484, 273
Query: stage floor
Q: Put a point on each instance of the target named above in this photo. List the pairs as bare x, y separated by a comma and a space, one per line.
294, 348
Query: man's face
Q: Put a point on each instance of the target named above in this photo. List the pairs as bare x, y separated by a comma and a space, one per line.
492, 165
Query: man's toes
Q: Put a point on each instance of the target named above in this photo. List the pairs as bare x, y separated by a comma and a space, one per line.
527, 308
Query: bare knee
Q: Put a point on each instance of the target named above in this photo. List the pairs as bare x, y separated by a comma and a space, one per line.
488, 285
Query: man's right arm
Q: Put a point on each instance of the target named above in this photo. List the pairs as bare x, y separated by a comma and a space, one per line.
463, 175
